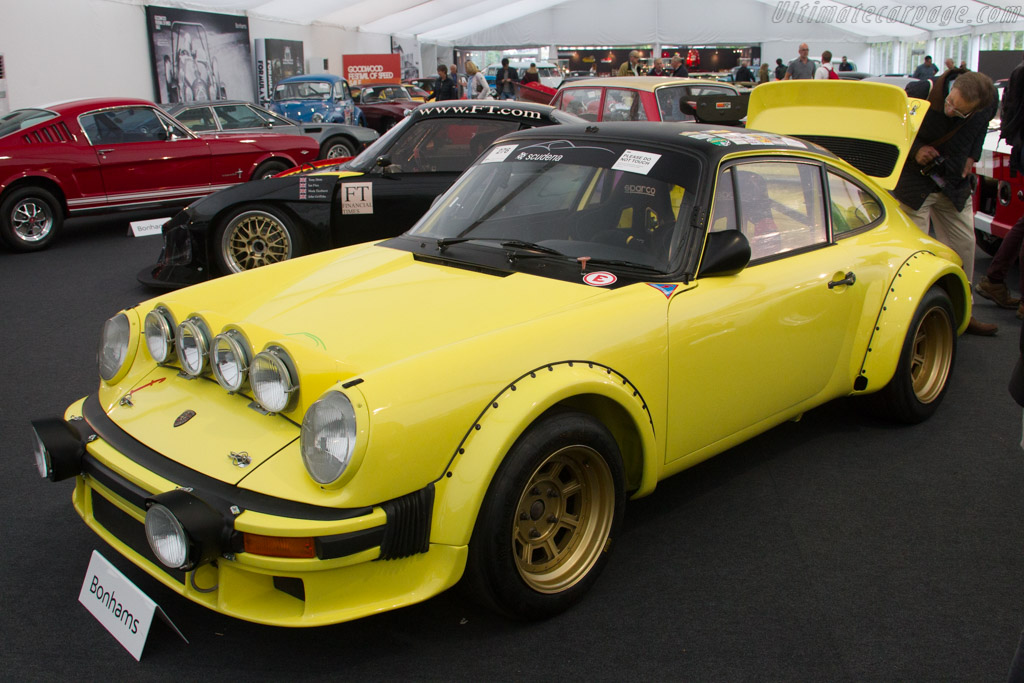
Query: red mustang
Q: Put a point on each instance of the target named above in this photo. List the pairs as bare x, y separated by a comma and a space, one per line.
103, 155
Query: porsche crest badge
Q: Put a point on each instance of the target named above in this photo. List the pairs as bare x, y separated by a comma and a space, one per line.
184, 417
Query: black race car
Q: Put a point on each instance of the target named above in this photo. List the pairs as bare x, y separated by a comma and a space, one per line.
378, 194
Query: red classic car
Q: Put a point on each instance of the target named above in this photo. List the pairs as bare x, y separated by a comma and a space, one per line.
103, 155
384, 105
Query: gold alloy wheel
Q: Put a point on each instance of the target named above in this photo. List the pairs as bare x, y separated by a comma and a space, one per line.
563, 519
932, 354
254, 239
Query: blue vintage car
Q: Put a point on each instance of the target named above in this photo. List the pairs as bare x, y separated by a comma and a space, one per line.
315, 98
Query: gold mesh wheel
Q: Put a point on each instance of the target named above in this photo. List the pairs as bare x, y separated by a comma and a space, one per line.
932, 355
563, 519
253, 239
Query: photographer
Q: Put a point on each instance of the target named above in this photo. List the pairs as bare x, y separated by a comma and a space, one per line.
934, 184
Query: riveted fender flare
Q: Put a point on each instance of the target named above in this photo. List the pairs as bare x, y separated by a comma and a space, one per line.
913, 279
461, 489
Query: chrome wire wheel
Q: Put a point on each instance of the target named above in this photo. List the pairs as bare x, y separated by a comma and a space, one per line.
31, 220
253, 239
563, 519
932, 355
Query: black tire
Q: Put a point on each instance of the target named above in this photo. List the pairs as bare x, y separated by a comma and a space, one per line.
253, 236
30, 218
546, 524
987, 242
333, 148
926, 362
269, 168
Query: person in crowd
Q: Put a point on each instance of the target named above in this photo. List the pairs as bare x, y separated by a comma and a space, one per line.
631, 67
743, 74
933, 184
963, 66
926, 70
444, 87
845, 65
801, 67
764, 74
825, 71
476, 84
780, 69
678, 67
658, 69
531, 75
949, 63
505, 80
1011, 128
459, 81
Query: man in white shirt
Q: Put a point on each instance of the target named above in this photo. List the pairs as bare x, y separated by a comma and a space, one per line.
825, 70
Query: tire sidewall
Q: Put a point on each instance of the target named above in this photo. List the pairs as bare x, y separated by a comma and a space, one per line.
325, 149
491, 571
7, 206
269, 168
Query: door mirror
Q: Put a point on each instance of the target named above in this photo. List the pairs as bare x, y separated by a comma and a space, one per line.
726, 252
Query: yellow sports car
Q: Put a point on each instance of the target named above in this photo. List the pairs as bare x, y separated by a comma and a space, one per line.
589, 309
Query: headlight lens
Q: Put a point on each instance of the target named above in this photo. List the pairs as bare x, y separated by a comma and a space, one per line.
193, 345
159, 332
166, 537
114, 342
273, 379
328, 437
230, 359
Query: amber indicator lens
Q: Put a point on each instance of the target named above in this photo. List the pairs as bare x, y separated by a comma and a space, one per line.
279, 546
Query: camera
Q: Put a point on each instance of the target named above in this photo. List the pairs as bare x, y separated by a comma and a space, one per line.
934, 170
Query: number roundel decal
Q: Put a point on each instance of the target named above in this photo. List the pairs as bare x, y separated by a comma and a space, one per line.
601, 278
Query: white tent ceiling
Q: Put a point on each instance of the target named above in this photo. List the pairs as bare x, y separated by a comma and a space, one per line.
472, 23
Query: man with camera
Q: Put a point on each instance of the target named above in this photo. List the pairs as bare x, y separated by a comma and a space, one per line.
934, 183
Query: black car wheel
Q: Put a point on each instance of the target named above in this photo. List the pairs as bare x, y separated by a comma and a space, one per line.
255, 236
337, 147
270, 168
926, 362
545, 526
30, 218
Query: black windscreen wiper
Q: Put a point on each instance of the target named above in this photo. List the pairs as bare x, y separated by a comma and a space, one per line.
632, 265
445, 242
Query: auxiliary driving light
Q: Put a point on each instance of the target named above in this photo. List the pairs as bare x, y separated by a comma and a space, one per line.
58, 449
184, 532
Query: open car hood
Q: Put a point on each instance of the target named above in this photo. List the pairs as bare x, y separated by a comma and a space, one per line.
871, 126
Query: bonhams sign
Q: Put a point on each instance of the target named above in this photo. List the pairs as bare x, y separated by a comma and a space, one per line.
372, 69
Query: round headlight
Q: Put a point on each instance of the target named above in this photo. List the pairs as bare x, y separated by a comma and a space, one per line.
193, 345
159, 332
230, 359
114, 346
328, 437
272, 379
166, 537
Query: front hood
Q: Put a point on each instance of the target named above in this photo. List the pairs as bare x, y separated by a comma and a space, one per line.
294, 109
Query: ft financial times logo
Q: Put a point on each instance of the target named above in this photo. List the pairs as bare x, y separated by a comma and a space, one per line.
789, 12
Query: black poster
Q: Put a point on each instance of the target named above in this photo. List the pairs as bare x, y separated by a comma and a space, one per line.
199, 55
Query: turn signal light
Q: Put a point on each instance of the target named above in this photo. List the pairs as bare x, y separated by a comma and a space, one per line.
279, 546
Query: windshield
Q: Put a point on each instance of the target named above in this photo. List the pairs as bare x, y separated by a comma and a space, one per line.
384, 93
604, 202
23, 118
309, 90
367, 159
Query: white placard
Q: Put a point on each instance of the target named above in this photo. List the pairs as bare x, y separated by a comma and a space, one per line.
636, 162
356, 198
118, 604
150, 227
499, 154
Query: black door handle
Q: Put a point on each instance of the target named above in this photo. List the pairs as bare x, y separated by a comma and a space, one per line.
848, 280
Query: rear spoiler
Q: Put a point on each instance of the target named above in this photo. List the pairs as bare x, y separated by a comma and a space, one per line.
727, 110
871, 126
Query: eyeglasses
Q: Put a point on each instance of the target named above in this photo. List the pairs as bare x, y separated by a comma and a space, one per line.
956, 112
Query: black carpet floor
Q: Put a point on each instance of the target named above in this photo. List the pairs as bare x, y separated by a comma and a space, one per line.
837, 548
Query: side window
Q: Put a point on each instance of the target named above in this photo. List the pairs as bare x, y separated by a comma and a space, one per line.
850, 205
237, 116
117, 126
623, 105
198, 118
671, 103
724, 217
445, 145
780, 206
583, 102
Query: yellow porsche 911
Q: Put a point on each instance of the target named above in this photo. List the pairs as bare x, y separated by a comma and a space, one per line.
589, 309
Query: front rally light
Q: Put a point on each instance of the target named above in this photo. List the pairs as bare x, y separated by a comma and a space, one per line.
230, 359
159, 332
273, 379
166, 537
114, 345
193, 346
58, 449
328, 437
